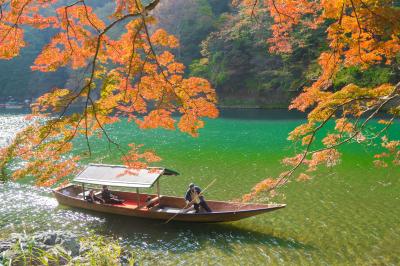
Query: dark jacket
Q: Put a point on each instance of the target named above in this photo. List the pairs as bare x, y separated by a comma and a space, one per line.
93, 199
106, 194
188, 195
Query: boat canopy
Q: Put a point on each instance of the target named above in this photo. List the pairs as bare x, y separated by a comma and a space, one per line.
121, 176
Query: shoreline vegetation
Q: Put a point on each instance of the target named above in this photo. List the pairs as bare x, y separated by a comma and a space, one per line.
222, 106
219, 106
62, 248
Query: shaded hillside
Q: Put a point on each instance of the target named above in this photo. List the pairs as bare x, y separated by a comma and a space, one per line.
16, 77
237, 61
191, 21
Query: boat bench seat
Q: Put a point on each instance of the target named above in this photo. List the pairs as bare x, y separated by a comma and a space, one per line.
152, 201
80, 195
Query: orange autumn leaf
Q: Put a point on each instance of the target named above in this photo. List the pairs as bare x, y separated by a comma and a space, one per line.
303, 177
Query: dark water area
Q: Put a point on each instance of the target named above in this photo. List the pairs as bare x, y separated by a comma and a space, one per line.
346, 215
261, 114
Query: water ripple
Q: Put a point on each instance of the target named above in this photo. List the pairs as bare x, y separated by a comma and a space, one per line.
10, 124
28, 208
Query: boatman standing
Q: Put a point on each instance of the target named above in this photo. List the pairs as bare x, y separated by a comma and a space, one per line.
193, 195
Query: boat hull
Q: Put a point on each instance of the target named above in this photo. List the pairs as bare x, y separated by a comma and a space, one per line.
222, 211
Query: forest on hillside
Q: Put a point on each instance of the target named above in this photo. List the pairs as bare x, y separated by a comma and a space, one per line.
218, 41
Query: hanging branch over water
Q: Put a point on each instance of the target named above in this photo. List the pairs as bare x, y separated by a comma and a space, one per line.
129, 73
359, 34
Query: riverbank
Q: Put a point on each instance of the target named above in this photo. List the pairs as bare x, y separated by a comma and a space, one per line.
62, 248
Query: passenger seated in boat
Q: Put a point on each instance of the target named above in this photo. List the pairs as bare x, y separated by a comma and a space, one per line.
92, 198
149, 204
110, 198
193, 195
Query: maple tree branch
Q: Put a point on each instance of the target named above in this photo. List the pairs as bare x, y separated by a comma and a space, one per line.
140, 77
69, 138
131, 58
59, 119
86, 14
86, 124
95, 57
378, 15
103, 130
15, 25
94, 64
253, 14
70, 25
342, 13
88, 18
254, 7
162, 70
103, 32
389, 123
359, 30
279, 12
358, 131
156, 60
1, 12
284, 178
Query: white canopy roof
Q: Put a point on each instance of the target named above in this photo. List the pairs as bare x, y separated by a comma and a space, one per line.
119, 176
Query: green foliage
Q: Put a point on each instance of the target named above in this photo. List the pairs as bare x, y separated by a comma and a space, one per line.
369, 78
30, 254
96, 251
236, 60
191, 21
199, 67
100, 254
219, 6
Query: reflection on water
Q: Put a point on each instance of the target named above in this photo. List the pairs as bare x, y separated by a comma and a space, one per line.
27, 208
346, 215
10, 124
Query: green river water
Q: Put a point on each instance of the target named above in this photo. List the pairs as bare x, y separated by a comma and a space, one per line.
348, 215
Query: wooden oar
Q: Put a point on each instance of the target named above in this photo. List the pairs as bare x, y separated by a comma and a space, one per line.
195, 198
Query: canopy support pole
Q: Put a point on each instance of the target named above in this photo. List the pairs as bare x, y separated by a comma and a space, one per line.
138, 196
83, 191
158, 188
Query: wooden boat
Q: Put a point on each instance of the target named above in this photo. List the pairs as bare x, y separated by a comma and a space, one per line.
166, 208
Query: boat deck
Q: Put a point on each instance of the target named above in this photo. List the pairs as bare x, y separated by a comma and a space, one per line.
132, 204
